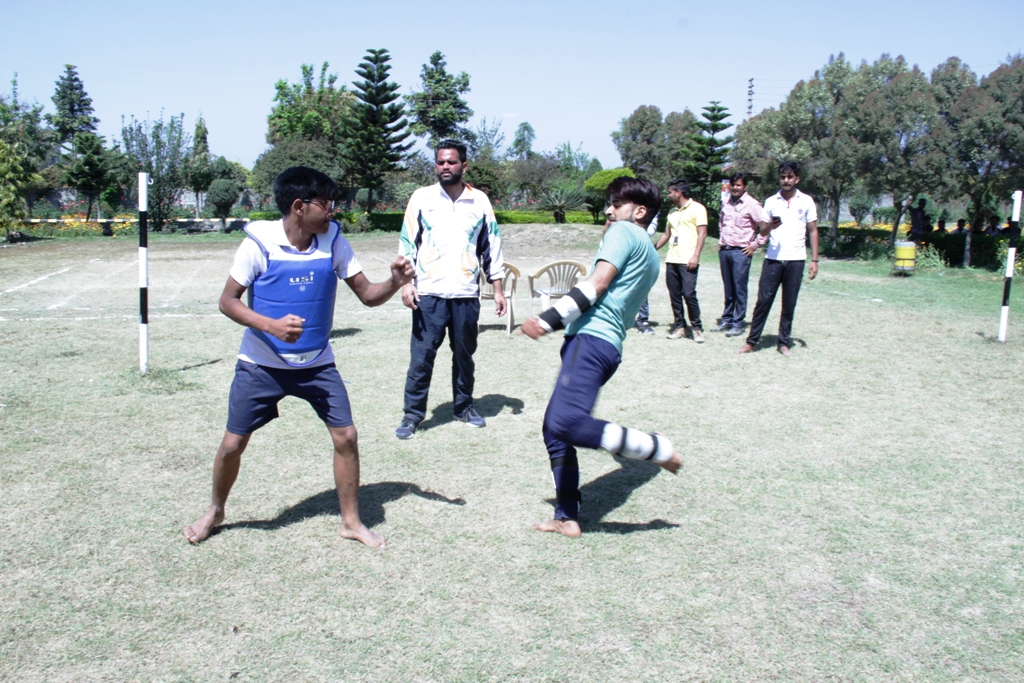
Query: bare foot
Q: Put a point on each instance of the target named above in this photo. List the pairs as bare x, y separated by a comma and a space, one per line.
784, 350
363, 535
746, 348
199, 530
672, 464
566, 527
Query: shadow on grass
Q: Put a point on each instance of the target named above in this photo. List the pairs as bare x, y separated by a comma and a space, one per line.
610, 491
488, 406
199, 365
770, 341
345, 332
372, 499
497, 327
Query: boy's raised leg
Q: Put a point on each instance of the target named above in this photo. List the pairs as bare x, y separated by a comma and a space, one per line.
346, 478
225, 472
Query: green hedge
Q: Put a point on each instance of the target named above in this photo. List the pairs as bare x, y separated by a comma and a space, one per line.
389, 222
515, 217
264, 215
985, 252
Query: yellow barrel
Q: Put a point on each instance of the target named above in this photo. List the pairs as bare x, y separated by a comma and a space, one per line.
905, 257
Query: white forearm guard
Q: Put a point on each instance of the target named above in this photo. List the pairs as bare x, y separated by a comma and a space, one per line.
569, 307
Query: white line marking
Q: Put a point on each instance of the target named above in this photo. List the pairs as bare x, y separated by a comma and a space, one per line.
38, 279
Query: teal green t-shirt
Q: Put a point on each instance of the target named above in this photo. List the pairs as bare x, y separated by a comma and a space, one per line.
627, 247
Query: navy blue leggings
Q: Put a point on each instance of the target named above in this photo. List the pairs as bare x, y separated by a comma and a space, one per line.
587, 364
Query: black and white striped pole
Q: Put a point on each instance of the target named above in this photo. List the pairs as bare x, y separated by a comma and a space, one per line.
1011, 257
143, 273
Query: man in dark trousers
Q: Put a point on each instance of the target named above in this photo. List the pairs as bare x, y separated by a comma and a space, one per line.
792, 218
450, 235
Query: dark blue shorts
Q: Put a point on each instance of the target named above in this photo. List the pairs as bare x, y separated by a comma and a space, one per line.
256, 391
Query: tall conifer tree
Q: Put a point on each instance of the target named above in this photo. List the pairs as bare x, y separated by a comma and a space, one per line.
378, 127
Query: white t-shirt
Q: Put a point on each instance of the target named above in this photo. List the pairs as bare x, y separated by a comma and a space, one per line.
788, 242
250, 263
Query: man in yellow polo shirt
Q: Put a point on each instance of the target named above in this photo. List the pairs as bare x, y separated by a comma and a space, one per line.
685, 233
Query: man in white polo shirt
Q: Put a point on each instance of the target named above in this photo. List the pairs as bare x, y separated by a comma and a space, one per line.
792, 217
450, 235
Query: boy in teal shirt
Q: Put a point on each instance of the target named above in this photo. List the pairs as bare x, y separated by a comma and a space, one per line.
595, 316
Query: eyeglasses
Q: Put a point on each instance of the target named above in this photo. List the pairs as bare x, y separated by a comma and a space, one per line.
326, 206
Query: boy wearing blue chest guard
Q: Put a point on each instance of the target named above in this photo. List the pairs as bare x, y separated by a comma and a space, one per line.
595, 316
291, 269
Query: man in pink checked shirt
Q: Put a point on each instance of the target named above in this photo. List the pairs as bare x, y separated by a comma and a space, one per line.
739, 224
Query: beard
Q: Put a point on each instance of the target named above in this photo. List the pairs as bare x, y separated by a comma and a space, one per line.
455, 179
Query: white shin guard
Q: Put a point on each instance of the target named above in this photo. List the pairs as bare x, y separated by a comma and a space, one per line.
634, 444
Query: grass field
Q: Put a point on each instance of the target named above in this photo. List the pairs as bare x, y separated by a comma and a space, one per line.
853, 513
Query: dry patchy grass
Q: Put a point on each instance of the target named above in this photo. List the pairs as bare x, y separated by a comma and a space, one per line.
852, 513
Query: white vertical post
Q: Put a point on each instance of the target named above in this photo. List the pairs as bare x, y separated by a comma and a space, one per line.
1011, 257
143, 273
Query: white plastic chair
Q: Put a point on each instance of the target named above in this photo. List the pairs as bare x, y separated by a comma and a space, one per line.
554, 281
508, 287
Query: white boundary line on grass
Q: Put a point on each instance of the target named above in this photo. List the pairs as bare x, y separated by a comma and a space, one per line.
38, 279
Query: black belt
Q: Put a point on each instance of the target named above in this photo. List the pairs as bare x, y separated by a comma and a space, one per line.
728, 248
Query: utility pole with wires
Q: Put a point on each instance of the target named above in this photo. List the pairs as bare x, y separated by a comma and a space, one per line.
750, 98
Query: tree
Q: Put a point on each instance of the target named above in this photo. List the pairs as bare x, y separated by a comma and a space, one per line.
377, 125
87, 171
814, 119
438, 111
986, 141
485, 170
596, 187
22, 125
74, 107
198, 174
652, 147
15, 173
159, 148
289, 152
522, 143
707, 154
641, 142
896, 119
223, 194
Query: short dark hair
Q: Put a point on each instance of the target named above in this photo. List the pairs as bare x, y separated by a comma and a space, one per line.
301, 182
681, 185
961, 222
742, 177
790, 165
451, 144
639, 191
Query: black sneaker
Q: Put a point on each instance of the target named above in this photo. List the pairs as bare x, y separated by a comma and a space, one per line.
734, 331
644, 327
406, 429
471, 417
722, 327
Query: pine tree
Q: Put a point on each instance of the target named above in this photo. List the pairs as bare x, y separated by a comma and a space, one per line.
86, 171
707, 154
438, 111
74, 107
378, 126
15, 173
198, 173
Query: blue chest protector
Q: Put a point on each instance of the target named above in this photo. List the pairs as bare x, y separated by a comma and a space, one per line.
300, 283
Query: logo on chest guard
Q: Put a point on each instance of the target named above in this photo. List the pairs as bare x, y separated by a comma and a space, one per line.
301, 281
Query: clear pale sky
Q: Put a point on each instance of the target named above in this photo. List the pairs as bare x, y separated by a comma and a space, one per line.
572, 69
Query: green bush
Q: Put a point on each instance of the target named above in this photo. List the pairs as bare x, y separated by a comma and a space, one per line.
389, 222
929, 257
518, 217
264, 215
883, 214
1018, 262
985, 249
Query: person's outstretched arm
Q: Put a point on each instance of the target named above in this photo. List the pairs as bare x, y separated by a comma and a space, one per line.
374, 294
599, 281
